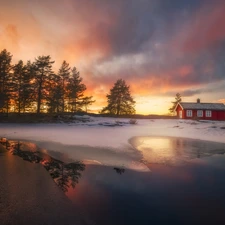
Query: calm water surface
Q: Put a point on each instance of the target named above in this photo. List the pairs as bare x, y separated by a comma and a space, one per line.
185, 185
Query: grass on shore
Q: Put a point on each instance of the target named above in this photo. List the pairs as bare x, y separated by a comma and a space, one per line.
66, 117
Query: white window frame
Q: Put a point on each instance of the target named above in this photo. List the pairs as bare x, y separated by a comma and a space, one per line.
199, 113
189, 113
208, 113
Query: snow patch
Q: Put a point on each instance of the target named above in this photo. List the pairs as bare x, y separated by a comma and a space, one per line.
109, 144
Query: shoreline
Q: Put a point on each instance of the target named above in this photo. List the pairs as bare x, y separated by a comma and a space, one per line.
93, 133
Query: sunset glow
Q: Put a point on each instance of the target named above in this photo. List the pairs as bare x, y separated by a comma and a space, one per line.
159, 47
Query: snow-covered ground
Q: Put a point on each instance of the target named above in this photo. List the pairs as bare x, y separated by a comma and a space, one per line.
102, 140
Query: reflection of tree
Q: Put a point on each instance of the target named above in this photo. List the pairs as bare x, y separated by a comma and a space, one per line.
119, 170
73, 171
65, 175
63, 179
26, 155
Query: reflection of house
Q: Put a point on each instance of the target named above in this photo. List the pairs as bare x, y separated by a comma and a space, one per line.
198, 110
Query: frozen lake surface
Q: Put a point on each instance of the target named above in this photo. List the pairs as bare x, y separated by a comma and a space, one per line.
107, 141
154, 172
184, 185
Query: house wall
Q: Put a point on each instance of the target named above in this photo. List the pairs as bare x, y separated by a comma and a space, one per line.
178, 111
221, 115
216, 115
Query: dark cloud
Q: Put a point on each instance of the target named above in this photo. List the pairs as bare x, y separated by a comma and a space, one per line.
130, 26
168, 61
209, 89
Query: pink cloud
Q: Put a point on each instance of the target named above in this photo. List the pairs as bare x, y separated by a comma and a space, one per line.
206, 28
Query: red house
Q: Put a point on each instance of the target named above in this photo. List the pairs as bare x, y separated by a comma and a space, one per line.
204, 111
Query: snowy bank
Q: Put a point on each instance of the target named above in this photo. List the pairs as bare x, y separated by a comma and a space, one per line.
98, 133
107, 139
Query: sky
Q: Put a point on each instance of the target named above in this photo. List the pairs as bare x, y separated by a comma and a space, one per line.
159, 47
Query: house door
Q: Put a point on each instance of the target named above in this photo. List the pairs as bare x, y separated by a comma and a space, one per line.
180, 114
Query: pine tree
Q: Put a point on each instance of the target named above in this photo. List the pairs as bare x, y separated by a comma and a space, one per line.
22, 86
55, 94
5, 76
64, 73
119, 100
87, 101
43, 69
177, 100
18, 79
28, 93
75, 91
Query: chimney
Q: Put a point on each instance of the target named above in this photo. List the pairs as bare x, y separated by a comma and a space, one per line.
198, 100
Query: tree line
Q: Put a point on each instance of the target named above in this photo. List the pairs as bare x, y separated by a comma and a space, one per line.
34, 87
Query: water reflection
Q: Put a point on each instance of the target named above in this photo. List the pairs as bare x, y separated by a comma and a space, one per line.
64, 174
192, 194
174, 151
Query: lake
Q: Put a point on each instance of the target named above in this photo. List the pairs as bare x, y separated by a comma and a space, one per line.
185, 185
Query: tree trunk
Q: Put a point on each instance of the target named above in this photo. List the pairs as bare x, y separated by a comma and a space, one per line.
7, 108
39, 98
63, 102
39, 102
118, 108
19, 104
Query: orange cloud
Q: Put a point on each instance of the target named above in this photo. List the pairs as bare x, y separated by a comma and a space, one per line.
91, 46
19, 33
221, 101
149, 84
10, 36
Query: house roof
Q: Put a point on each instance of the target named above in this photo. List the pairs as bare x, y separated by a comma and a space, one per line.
201, 106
